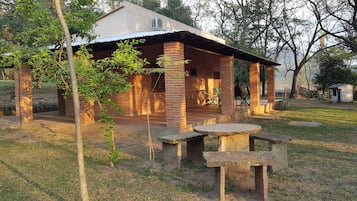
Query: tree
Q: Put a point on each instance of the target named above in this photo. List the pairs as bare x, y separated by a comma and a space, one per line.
333, 70
176, 10
113, 4
153, 5
29, 27
80, 155
199, 10
247, 25
339, 19
300, 33
99, 80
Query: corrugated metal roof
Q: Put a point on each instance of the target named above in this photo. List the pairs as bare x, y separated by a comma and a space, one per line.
336, 86
183, 36
124, 37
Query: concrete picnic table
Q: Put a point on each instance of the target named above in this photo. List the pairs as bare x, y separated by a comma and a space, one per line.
232, 137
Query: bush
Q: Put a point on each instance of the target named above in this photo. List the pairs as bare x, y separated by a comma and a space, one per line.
44, 107
8, 110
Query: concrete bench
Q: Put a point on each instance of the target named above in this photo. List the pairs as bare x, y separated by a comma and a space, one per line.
258, 159
172, 148
281, 105
277, 144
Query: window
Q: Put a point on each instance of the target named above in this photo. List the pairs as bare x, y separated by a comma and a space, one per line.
216, 75
159, 23
193, 72
156, 23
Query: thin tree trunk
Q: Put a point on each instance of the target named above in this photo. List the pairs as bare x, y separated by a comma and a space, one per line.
80, 157
262, 80
152, 150
293, 85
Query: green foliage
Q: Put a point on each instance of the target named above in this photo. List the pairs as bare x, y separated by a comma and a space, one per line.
126, 59
29, 27
246, 24
39, 26
175, 9
44, 107
164, 60
153, 5
333, 70
109, 136
241, 74
80, 16
6, 85
99, 80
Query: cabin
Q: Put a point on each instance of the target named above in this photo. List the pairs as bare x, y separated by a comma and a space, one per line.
210, 68
341, 93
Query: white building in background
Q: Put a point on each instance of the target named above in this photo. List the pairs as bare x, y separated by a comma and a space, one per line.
341, 93
129, 18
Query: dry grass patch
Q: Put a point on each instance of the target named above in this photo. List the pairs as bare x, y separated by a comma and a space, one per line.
40, 164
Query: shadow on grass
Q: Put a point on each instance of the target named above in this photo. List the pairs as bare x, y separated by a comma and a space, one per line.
31, 182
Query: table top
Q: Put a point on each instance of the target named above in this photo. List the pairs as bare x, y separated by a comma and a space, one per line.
227, 129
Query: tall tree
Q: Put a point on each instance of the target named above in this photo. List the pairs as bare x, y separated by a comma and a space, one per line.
339, 19
175, 9
300, 31
153, 5
200, 16
113, 4
247, 25
34, 27
333, 69
80, 155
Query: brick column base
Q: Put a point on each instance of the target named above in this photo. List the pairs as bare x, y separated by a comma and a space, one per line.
254, 79
175, 86
227, 83
23, 93
87, 113
271, 84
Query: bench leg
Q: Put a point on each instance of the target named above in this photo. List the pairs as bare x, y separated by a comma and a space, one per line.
261, 183
194, 151
171, 154
280, 151
251, 144
220, 181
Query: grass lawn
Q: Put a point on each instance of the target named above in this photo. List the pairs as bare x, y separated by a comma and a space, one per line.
38, 164
322, 160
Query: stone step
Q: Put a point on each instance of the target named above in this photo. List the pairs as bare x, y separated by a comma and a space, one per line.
264, 117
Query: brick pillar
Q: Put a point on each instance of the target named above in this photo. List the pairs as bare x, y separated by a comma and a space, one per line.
61, 101
271, 84
87, 114
23, 93
175, 86
254, 79
86, 111
227, 84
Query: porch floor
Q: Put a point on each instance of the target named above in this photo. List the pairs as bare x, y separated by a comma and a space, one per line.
195, 116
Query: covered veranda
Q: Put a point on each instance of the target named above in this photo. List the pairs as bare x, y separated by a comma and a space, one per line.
211, 66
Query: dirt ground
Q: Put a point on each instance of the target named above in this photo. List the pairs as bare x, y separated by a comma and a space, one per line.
131, 135
128, 131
